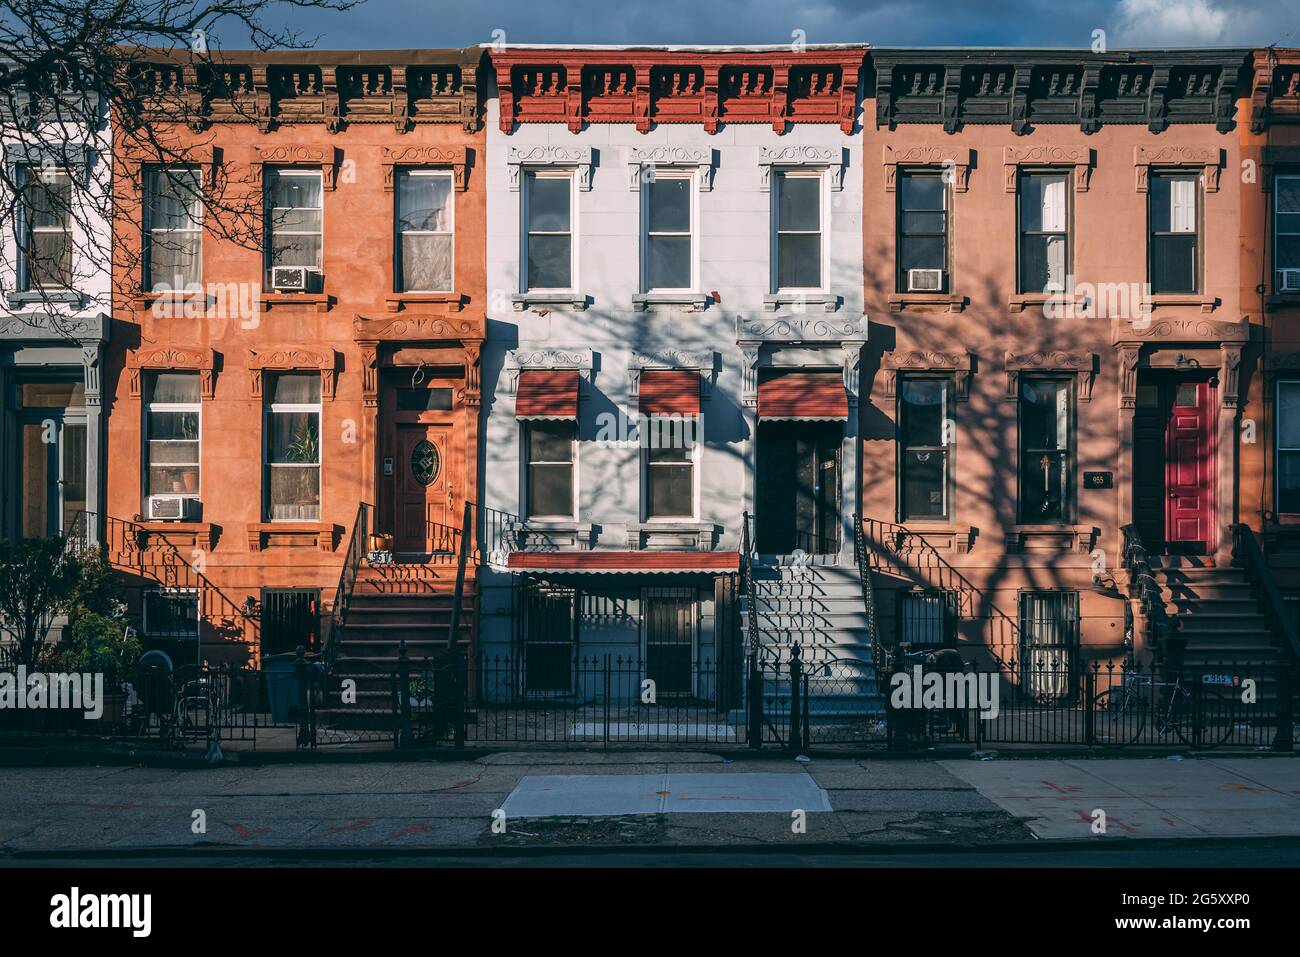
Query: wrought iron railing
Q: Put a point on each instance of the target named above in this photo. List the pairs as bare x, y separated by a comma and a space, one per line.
1159, 627
868, 593
358, 544
1246, 552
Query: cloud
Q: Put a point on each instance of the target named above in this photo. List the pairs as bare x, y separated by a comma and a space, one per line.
1155, 23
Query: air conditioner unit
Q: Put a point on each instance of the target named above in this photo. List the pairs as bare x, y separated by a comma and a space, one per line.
290, 278
925, 280
174, 508
1288, 280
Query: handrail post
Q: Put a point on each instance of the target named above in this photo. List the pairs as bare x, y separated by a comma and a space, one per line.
453, 632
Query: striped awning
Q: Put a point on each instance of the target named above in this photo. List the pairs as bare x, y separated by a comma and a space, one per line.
547, 394
803, 396
669, 392
599, 562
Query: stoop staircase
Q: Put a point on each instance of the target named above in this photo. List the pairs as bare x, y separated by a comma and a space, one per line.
819, 608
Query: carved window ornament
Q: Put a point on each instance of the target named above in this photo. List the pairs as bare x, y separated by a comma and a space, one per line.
172, 359
956, 364
543, 358
292, 359
577, 158
326, 157
76, 158
705, 363
955, 161
642, 163
207, 159
829, 158
1083, 365
1080, 157
455, 158
1209, 159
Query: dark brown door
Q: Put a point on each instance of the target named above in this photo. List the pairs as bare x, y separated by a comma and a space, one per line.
425, 496
798, 487
1189, 467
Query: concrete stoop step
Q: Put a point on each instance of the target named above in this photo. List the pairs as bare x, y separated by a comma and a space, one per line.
1217, 612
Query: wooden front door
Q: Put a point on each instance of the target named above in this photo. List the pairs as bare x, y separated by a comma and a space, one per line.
1189, 467
424, 516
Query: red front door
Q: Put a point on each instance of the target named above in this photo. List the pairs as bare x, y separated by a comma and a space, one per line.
1190, 467
424, 518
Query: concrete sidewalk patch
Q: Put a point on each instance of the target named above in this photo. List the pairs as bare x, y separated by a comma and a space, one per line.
612, 795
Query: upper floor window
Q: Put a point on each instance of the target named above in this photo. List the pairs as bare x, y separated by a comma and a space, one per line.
294, 219
922, 231
1286, 236
173, 229
425, 230
798, 230
924, 427
1287, 467
1044, 258
292, 484
548, 214
1046, 449
549, 458
172, 443
667, 258
45, 256
1175, 231
669, 451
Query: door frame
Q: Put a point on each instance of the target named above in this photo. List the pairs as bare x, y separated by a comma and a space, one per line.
61, 418
837, 524
651, 592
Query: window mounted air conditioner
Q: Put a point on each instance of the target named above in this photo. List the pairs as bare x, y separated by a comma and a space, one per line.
173, 508
291, 278
924, 280
1288, 280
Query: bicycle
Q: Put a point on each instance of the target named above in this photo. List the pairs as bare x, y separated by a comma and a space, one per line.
1120, 714
919, 727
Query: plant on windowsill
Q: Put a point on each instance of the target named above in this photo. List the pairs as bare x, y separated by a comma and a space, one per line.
304, 449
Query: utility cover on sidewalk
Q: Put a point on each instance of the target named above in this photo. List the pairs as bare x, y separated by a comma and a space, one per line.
608, 795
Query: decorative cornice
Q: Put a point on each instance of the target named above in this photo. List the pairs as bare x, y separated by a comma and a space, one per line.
798, 329
705, 363
801, 157
530, 357
173, 359
43, 327
1275, 90
1084, 366
578, 158
643, 161
958, 159
1179, 330
419, 328
327, 158
922, 360
291, 359
1080, 157
455, 157
1208, 158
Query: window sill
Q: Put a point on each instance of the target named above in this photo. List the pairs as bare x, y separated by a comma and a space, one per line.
398, 301
776, 300
1069, 305
941, 535
17, 300
671, 534
1282, 300
1173, 300
543, 534
189, 534
950, 301
279, 534
542, 300
689, 301
1063, 537
320, 300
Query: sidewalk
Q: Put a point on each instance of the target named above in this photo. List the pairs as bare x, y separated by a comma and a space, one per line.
450, 805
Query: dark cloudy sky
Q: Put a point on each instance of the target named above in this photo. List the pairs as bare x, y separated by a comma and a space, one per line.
1146, 23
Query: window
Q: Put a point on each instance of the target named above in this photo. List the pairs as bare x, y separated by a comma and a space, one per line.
294, 217
1288, 446
924, 417
425, 227
290, 617
798, 230
293, 448
668, 618
549, 217
668, 259
170, 620
1174, 231
549, 458
1049, 633
1286, 237
927, 617
922, 232
669, 450
1044, 231
172, 435
46, 256
1046, 462
173, 229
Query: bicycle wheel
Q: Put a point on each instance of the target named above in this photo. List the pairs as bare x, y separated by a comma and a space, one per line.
1119, 715
1211, 725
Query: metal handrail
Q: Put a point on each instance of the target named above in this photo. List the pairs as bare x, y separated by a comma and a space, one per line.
1246, 550
868, 592
747, 574
347, 581
1159, 626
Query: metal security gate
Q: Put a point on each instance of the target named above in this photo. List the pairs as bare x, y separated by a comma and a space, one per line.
290, 618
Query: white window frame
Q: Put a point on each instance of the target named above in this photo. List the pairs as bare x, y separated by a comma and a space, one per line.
270, 409
401, 234
28, 233
779, 176
644, 456
524, 472
529, 176
1277, 230
273, 231
649, 594
692, 233
150, 230
150, 407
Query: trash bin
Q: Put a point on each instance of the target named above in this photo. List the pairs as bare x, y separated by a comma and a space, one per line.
281, 676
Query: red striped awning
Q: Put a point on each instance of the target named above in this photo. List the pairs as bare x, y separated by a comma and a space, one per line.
669, 392
803, 395
547, 394
624, 562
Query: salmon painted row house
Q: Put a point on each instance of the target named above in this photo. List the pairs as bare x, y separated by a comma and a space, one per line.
685, 356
